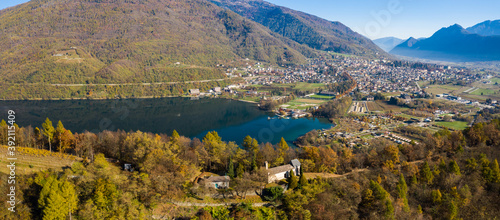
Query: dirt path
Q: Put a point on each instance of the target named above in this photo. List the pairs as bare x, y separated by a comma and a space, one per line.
332, 175
190, 204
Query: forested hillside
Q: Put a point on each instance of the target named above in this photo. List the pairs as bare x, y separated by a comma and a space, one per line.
450, 175
118, 41
304, 28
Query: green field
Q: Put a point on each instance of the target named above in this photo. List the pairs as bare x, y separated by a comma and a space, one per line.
484, 92
303, 86
322, 97
301, 104
451, 89
495, 80
457, 125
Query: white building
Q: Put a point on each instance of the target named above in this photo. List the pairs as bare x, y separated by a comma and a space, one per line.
276, 174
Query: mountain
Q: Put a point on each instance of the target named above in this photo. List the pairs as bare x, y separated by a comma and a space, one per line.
387, 43
453, 43
487, 28
303, 28
118, 41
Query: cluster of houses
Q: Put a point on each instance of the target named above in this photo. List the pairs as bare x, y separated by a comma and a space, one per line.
380, 76
459, 99
274, 174
294, 113
213, 91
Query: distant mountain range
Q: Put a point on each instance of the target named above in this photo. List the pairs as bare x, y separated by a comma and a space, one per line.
303, 28
119, 41
388, 43
487, 28
454, 44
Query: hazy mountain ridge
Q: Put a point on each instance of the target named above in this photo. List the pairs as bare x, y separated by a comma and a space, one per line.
486, 28
303, 28
95, 41
453, 43
387, 43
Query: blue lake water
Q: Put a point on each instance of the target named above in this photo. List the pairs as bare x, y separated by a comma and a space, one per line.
233, 120
265, 130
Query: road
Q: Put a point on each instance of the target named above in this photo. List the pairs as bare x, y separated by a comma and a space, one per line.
135, 84
189, 204
332, 175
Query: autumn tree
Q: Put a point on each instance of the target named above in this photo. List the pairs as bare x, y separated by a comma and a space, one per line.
48, 131
215, 148
243, 184
63, 137
3, 132
250, 144
283, 148
175, 137
436, 196
58, 198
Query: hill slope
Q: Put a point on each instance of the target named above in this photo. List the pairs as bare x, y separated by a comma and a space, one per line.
453, 43
97, 41
303, 28
486, 28
387, 43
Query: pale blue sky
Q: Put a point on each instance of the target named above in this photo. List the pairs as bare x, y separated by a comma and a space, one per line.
10, 3
407, 18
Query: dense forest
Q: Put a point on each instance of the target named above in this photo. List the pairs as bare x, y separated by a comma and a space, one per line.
62, 41
304, 28
103, 91
449, 175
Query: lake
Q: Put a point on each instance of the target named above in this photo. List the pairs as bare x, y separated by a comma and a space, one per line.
233, 120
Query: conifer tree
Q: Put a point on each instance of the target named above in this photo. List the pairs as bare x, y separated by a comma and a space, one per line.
454, 168
436, 196
240, 170
175, 137
452, 210
254, 163
389, 209
402, 192
292, 181
57, 199
302, 179
426, 174
247, 142
230, 169
495, 172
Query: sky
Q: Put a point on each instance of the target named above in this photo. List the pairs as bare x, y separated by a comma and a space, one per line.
398, 18
389, 18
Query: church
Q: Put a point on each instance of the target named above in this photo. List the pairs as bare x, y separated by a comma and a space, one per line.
276, 174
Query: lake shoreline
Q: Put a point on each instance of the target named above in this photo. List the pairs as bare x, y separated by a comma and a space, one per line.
163, 115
